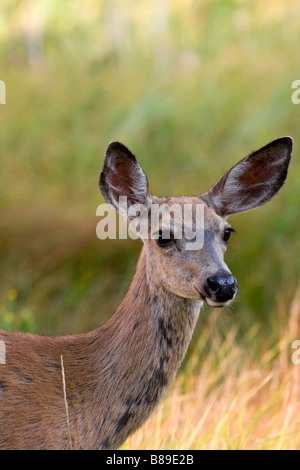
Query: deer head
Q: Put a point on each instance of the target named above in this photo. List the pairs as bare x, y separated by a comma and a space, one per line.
173, 262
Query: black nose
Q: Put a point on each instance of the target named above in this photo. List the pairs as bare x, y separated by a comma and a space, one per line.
222, 286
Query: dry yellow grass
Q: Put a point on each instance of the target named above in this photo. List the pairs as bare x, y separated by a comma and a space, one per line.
236, 401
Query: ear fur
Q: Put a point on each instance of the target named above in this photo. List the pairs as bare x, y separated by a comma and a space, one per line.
254, 180
123, 176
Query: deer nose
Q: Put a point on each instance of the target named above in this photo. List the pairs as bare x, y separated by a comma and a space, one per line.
222, 286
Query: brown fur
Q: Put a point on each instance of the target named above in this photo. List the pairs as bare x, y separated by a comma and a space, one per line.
117, 374
112, 383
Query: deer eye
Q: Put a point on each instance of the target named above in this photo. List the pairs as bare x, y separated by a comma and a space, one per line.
227, 234
164, 238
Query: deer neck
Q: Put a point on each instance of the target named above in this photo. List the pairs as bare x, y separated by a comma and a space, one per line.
145, 342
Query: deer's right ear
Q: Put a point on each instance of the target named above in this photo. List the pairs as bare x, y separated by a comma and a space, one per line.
123, 176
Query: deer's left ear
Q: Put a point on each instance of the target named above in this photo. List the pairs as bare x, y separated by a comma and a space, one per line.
254, 180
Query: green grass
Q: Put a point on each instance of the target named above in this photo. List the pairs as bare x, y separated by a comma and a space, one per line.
219, 88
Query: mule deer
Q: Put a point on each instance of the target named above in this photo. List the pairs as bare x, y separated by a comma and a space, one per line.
115, 376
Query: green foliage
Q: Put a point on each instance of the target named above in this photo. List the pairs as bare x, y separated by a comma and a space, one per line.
189, 101
13, 318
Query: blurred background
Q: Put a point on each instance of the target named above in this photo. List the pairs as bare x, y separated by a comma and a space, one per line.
191, 87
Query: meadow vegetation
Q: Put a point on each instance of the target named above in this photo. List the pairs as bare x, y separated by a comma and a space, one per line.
191, 87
